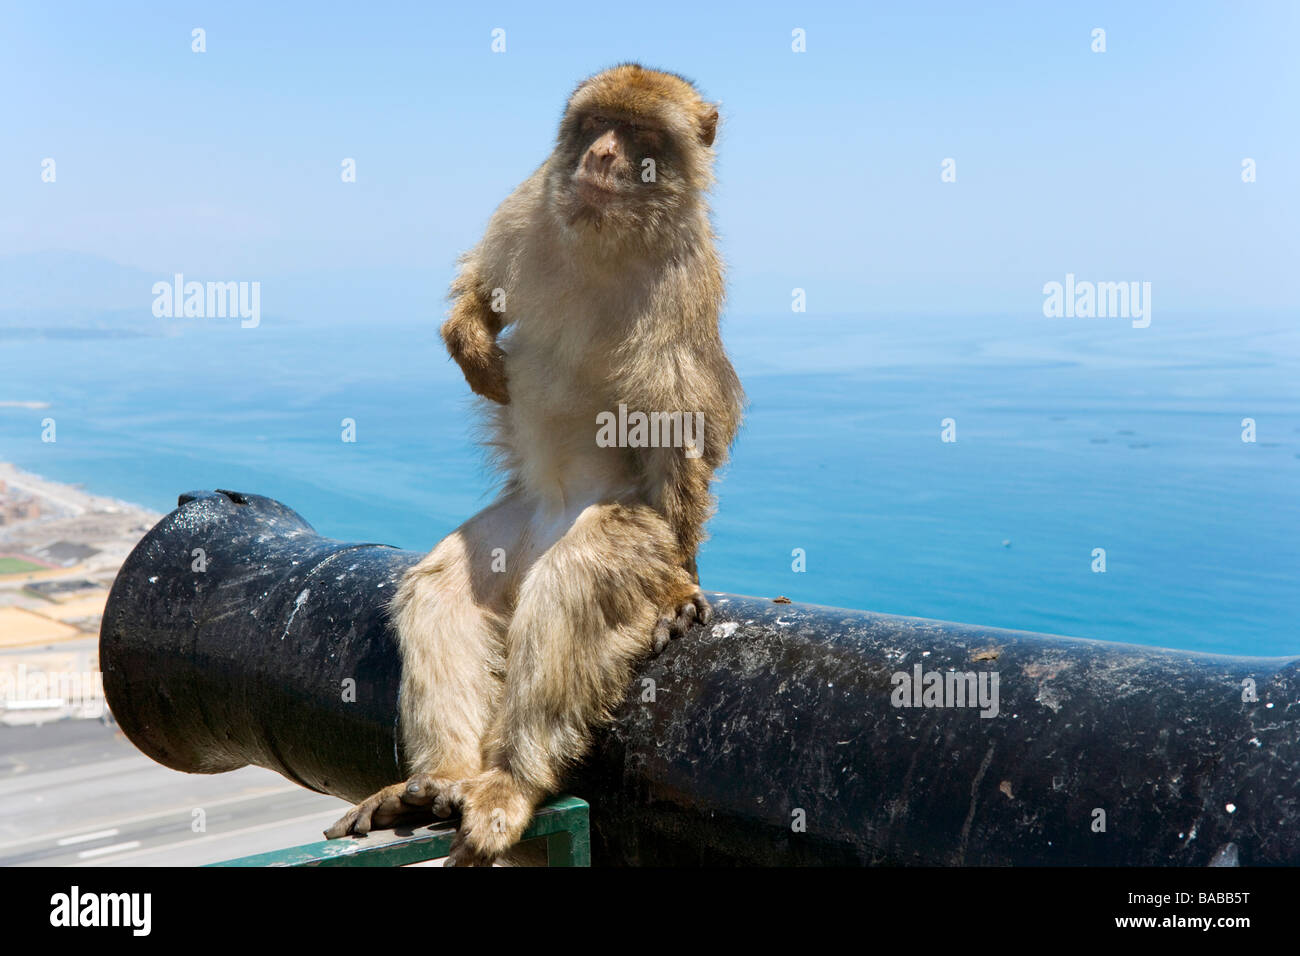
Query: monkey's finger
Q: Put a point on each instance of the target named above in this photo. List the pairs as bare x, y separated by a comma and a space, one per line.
342, 826
421, 790
703, 608
365, 814
392, 808
448, 800
663, 634
685, 619
489, 381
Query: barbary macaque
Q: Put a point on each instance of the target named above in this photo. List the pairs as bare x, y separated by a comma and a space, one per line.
597, 285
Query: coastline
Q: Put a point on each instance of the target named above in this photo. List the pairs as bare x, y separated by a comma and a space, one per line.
77, 498
60, 549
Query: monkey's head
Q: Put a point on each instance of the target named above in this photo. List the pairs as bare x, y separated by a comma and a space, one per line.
634, 154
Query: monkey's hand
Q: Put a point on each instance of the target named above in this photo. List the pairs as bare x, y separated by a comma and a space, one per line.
470, 336
681, 619
486, 373
421, 797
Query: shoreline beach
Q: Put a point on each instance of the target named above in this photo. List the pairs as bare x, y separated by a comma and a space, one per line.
60, 549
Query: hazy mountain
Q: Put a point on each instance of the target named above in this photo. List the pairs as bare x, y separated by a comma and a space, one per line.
71, 280
44, 292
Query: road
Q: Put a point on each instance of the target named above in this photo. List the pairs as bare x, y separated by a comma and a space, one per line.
77, 793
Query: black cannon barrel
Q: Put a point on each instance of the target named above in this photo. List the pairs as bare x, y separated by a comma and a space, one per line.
236, 635
780, 733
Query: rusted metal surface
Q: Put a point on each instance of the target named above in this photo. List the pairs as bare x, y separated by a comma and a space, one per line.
776, 735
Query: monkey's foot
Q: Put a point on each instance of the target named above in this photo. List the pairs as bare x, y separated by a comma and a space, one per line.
495, 812
421, 797
671, 626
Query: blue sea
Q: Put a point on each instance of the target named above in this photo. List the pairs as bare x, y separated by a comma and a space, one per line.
1071, 435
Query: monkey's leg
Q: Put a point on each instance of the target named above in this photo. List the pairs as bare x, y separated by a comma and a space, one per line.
587, 609
449, 612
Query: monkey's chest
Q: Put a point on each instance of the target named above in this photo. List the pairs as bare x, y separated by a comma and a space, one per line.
552, 425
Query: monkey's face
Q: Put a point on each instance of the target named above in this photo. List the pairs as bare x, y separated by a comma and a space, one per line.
612, 149
633, 152
616, 166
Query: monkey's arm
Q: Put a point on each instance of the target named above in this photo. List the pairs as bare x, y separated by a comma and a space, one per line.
478, 312
678, 488
470, 334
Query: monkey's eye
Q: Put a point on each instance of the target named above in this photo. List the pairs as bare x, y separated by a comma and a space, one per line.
646, 135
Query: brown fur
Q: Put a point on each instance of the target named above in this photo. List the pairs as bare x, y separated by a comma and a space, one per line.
612, 290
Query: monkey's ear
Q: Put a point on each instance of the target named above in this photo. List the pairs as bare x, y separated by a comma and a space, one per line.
708, 125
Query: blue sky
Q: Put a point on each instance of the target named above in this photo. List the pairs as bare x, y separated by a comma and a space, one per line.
1116, 166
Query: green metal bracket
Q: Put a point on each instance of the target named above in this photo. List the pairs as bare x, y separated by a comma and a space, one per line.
564, 823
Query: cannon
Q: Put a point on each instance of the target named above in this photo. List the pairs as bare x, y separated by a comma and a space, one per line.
778, 734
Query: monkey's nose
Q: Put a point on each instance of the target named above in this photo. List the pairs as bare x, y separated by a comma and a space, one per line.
600, 161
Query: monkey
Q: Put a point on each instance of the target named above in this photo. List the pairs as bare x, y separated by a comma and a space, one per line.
596, 286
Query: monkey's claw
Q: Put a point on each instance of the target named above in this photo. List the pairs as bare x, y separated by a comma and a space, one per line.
670, 627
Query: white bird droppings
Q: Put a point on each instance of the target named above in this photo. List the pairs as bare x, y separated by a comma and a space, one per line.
299, 601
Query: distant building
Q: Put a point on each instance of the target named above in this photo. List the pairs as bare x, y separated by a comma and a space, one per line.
66, 553
62, 589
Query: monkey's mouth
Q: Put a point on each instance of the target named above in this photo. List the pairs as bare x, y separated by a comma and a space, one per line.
594, 192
